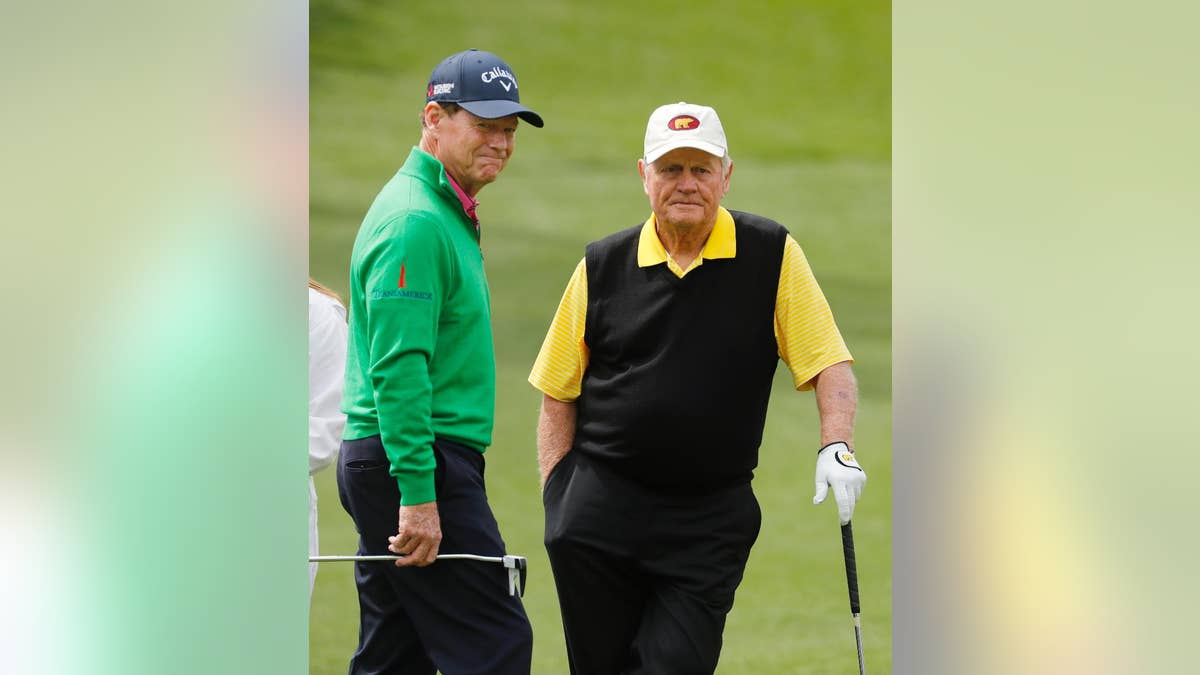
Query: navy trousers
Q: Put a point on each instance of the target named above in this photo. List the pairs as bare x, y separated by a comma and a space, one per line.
645, 580
454, 616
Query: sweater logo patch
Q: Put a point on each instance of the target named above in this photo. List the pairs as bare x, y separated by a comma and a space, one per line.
401, 293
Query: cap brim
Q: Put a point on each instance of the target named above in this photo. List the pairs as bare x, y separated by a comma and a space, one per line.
490, 110
710, 148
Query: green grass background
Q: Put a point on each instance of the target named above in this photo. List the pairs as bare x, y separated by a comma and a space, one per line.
803, 90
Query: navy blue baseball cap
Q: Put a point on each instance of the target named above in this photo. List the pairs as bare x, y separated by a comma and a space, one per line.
481, 83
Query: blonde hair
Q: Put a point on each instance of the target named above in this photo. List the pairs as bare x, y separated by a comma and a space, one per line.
321, 288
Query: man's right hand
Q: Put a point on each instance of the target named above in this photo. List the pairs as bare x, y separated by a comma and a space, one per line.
418, 535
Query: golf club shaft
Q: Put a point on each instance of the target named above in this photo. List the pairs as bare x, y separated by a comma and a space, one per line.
862, 665
852, 584
365, 558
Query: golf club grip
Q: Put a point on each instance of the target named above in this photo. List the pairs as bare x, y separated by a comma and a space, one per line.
851, 568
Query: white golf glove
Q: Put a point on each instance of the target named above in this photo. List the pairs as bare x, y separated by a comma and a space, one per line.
837, 467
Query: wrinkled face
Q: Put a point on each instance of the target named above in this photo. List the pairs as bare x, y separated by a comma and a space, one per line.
474, 150
685, 187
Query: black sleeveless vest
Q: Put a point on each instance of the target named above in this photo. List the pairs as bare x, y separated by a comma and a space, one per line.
679, 374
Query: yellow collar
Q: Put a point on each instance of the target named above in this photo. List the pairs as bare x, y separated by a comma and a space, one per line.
721, 243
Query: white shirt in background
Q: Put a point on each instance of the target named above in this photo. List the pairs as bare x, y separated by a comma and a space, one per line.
326, 374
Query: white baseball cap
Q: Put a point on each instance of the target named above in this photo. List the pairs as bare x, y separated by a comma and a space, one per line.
684, 125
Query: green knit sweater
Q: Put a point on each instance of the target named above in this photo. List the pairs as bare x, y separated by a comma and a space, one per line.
420, 361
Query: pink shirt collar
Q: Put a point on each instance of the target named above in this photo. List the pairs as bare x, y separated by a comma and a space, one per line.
468, 202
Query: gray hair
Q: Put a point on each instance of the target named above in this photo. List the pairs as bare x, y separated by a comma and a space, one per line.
726, 160
450, 109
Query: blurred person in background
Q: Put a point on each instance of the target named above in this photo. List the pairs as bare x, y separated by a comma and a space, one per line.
655, 374
420, 394
326, 374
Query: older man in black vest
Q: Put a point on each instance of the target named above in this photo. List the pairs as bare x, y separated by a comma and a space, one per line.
656, 374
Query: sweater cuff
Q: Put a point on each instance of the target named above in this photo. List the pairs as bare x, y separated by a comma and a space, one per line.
416, 488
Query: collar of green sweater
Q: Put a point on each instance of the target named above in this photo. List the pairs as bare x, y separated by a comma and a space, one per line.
428, 169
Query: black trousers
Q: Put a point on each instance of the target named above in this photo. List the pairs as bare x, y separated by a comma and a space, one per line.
454, 616
644, 580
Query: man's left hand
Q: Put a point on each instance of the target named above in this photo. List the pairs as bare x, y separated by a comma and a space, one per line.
837, 468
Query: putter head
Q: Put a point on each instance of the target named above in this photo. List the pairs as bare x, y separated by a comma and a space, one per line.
517, 567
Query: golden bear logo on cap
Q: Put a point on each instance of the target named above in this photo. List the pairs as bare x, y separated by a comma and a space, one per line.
682, 122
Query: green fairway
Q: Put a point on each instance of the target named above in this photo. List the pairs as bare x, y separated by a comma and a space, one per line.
803, 90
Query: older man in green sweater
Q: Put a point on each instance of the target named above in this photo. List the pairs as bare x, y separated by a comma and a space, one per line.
420, 393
